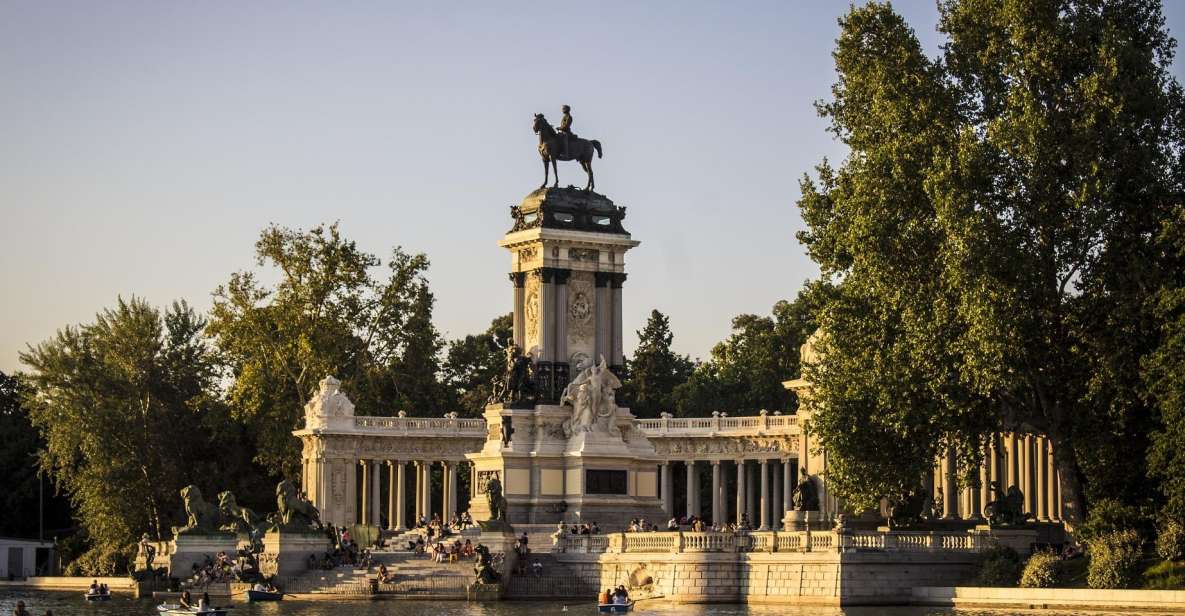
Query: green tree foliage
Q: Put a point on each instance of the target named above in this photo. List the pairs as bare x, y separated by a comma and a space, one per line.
654, 371
1164, 372
474, 362
327, 315
1114, 560
989, 237
125, 407
21, 471
745, 372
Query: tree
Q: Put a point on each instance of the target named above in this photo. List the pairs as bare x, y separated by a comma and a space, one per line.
745, 372
474, 362
654, 370
123, 405
24, 481
989, 234
1164, 375
327, 315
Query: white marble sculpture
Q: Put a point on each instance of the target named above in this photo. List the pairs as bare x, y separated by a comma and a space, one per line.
328, 402
592, 396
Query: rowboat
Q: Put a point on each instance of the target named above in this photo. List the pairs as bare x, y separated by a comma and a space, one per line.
175, 609
263, 595
97, 596
615, 608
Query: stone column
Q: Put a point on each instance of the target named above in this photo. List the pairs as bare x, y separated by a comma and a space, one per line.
428, 489
765, 500
1042, 464
1026, 477
420, 490
1051, 477
1057, 481
445, 504
400, 492
376, 490
691, 481
993, 466
452, 490
668, 495
787, 488
717, 486
547, 314
618, 357
364, 513
985, 479
950, 497
752, 482
561, 326
604, 315
391, 495
740, 490
775, 517
1013, 461
519, 281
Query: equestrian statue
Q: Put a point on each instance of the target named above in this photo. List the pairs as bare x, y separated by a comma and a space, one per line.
563, 144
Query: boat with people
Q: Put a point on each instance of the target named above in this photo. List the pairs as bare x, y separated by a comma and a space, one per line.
264, 595
615, 608
176, 609
614, 601
97, 596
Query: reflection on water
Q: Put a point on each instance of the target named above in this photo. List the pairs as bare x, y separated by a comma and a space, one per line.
72, 604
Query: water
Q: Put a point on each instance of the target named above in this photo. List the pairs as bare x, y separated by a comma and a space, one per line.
72, 604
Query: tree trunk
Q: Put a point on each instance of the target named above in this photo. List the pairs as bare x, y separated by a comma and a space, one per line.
1069, 485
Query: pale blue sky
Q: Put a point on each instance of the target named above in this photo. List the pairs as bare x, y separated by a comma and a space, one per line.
143, 145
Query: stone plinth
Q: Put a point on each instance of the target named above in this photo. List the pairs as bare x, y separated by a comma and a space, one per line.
287, 553
797, 520
191, 548
483, 592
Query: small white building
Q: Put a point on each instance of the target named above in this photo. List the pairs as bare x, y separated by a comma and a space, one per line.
22, 558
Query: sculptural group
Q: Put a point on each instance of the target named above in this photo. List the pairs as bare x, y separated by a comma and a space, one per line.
592, 395
294, 514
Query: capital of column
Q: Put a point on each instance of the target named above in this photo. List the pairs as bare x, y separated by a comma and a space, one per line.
518, 279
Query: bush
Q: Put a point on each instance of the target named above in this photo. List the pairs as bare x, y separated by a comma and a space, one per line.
998, 566
1170, 540
1165, 575
1109, 515
1114, 560
1043, 570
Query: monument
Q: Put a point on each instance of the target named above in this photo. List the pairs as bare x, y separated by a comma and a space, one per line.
558, 443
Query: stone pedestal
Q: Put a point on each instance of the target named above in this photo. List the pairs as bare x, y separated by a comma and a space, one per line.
1019, 539
287, 553
190, 549
797, 520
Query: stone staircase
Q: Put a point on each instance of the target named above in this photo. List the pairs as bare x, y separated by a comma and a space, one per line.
558, 581
417, 575
343, 581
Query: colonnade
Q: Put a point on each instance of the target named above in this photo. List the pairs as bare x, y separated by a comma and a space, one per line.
762, 490
395, 474
1011, 459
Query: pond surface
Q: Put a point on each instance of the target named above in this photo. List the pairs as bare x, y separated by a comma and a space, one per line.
72, 604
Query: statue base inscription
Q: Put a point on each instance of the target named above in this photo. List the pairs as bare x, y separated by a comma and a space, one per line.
287, 553
193, 548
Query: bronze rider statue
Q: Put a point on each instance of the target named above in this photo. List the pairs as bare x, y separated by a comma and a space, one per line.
565, 127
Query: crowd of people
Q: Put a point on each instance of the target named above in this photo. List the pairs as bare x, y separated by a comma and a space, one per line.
345, 551
585, 529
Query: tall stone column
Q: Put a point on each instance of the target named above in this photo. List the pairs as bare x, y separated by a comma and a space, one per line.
563, 373
452, 491
364, 513
740, 490
765, 501
1042, 464
691, 483
519, 281
420, 489
1013, 460
1026, 478
604, 315
717, 487
993, 466
391, 495
751, 482
668, 500
787, 488
350, 513
775, 480
1051, 476
985, 480
618, 354
376, 490
445, 504
428, 490
950, 500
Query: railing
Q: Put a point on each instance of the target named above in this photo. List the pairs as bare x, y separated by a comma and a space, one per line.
441, 425
710, 426
769, 541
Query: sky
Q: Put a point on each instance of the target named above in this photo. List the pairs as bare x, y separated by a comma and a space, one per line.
144, 145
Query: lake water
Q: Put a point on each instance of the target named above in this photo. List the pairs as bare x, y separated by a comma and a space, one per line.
72, 604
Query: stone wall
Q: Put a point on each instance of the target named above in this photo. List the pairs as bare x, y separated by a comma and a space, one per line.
830, 578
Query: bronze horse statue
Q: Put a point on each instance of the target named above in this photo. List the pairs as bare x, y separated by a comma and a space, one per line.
580, 150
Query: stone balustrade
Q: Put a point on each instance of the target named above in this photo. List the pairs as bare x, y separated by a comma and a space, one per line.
795, 541
719, 426
428, 425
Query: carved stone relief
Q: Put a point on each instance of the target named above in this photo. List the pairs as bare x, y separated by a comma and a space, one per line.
584, 254
531, 311
723, 445
484, 477
581, 312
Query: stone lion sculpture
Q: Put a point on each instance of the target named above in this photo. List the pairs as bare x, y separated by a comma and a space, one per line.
295, 512
235, 518
201, 517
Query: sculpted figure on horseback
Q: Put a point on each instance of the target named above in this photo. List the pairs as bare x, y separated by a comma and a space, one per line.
563, 144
